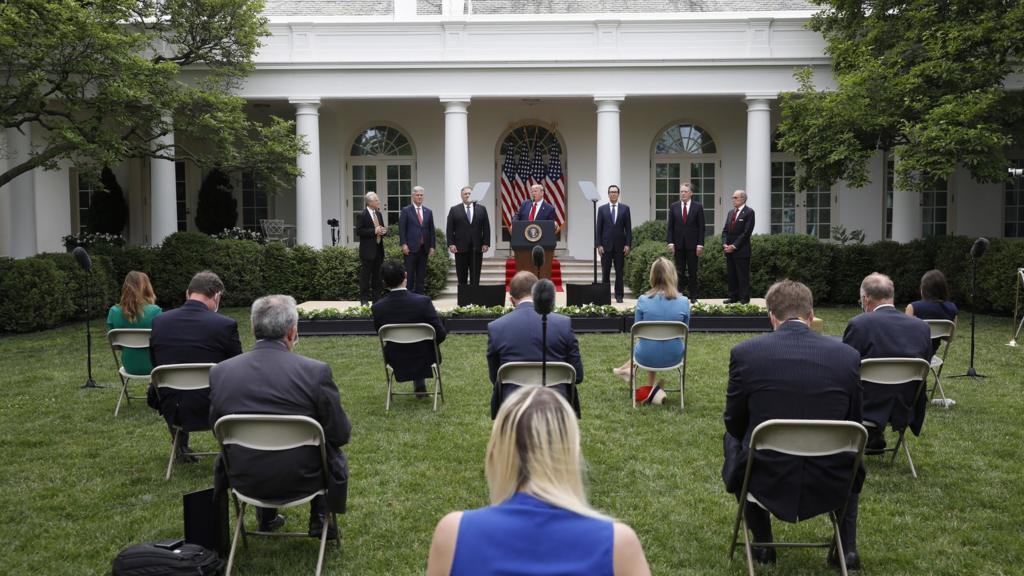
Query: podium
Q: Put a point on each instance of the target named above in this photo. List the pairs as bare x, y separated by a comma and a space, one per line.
527, 234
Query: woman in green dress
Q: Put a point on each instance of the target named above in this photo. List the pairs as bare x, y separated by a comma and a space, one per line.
135, 310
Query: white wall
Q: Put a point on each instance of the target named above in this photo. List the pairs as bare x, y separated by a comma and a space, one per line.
979, 207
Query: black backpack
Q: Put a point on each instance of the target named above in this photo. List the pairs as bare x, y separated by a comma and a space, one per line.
166, 558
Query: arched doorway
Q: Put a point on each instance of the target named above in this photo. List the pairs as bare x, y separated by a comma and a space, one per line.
381, 160
685, 153
529, 154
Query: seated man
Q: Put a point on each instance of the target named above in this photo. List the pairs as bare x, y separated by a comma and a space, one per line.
516, 337
270, 379
882, 331
192, 333
791, 373
401, 306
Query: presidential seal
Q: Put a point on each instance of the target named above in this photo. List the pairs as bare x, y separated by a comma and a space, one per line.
533, 233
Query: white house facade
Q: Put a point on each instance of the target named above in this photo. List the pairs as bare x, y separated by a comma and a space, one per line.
644, 94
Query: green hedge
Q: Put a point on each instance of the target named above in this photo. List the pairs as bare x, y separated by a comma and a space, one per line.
33, 295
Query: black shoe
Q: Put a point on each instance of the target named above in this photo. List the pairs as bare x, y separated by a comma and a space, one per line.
763, 555
875, 444
421, 392
851, 556
316, 527
185, 456
619, 300
272, 524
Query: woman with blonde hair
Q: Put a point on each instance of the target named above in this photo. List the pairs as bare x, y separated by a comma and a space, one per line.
539, 521
662, 302
136, 309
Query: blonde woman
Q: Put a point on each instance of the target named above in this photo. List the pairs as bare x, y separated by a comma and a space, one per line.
136, 309
539, 521
662, 302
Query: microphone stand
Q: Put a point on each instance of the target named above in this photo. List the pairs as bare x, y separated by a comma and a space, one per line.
89, 382
544, 350
971, 372
594, 220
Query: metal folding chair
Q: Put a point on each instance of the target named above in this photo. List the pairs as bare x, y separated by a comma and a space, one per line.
269, 433
806, 439
182, 377
943, 330
660, 331
410, 334
132, 338
896, 372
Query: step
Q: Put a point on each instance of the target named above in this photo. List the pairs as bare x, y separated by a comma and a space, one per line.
492, 271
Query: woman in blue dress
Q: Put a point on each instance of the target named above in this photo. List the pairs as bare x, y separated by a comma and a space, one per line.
662, 302
539, 521
934, 303
136, 309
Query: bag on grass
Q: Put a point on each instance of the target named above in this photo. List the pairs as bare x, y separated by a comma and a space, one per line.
166, 558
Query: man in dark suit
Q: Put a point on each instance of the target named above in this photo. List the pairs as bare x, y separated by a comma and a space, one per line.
614, 237
516, 337
192, 333
798, 374
469, 234
270, 379
536, 208
400, 306
685, 238
882, 331
416, 236
739, 225
371, 231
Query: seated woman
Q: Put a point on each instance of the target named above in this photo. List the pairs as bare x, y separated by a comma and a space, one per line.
539, 521
662, 302
136, 309
934, 303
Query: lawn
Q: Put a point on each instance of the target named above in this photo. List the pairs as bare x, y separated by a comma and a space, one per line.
78, 484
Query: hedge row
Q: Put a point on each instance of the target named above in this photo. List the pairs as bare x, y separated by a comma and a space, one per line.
49, 289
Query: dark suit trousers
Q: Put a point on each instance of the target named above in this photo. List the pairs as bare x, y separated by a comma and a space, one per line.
686, 263
370, 285
607, 259
739, 277
467, 267
416, 268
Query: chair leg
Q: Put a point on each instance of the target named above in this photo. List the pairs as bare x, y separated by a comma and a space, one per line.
239, 519
174, 451
122, 396
840, 553
682, 390
334, 522
735, 533
387, 403
632, 381
748, 551
437, 386
323, 546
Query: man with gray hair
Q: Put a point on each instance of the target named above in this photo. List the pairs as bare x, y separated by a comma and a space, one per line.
739, 226
270, 379
371, 231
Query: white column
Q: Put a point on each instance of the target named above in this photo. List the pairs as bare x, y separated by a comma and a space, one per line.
608, 142
21, 241
759, 160
456, 149
308, 225
906, 212
163, 196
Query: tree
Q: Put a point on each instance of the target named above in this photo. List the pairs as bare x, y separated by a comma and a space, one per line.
108, 210
106, 79
922, 78
216, 208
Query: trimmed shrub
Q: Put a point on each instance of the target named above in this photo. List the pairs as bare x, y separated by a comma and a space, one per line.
997, 275
303, 263
795, 256
437, 265
104, 289
953, 257
239, 263
711, 273
849, 264
34, 295
108, 210
179, 258
337, 274
216, 208
637, 271
652, 230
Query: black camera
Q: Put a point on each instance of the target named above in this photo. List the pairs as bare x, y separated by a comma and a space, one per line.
333, 222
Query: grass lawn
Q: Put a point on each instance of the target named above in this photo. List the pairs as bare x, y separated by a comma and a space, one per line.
77, 485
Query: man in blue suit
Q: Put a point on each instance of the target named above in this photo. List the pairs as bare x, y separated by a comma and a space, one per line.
739, 225
685, 238
536, 208
400, 306
416, 236
516, 337
882, 331
614, 237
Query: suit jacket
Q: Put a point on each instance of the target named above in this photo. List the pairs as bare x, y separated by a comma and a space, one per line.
792, 373
889, 333
191, 333
410, 231
410, 361
545, 212
689, 235
613, 237
516, 337
739, 236
371, 247
271, 380
466, 235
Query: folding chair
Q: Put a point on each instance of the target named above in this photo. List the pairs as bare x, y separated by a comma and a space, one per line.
268, 432
132, 338
896, 372
943, 330
806, 439
410, 334
182, 377
661, 331
531, 374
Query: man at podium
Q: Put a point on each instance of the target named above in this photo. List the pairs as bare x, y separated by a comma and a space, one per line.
536, 208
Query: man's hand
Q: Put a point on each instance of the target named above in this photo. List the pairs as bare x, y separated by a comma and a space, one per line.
700, 250
600, 250
381, 231
625, 251
405, 249
452, 248
729, 248
484, 248
671, 248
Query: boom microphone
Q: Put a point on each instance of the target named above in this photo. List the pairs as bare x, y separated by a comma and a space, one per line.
82, 257
544, 297
979, 247
538, 257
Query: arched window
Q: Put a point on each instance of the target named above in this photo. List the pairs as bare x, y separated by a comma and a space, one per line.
685, 153
530, 154
381, 141
381, 160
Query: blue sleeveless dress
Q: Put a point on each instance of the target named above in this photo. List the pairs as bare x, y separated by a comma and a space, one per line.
527, 536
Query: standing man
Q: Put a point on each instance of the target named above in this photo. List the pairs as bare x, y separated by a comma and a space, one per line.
416, 235
614, 237
536, 208
468, 233
739, 225
686, 238
371, 231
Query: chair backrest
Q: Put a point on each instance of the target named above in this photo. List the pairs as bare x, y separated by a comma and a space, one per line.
944, 329
272, 227
659, 330
530, 373
129, 338
893, 370
182, 376
809, 438
269, 432
406, 333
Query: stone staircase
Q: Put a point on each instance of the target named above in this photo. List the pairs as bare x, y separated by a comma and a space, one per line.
493, 272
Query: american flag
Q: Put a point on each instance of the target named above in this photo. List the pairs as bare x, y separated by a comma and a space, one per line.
554, 183
509, 193
519, 172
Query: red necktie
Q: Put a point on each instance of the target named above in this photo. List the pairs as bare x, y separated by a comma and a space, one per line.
533, 211
684, 213
732, 226
419, 216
